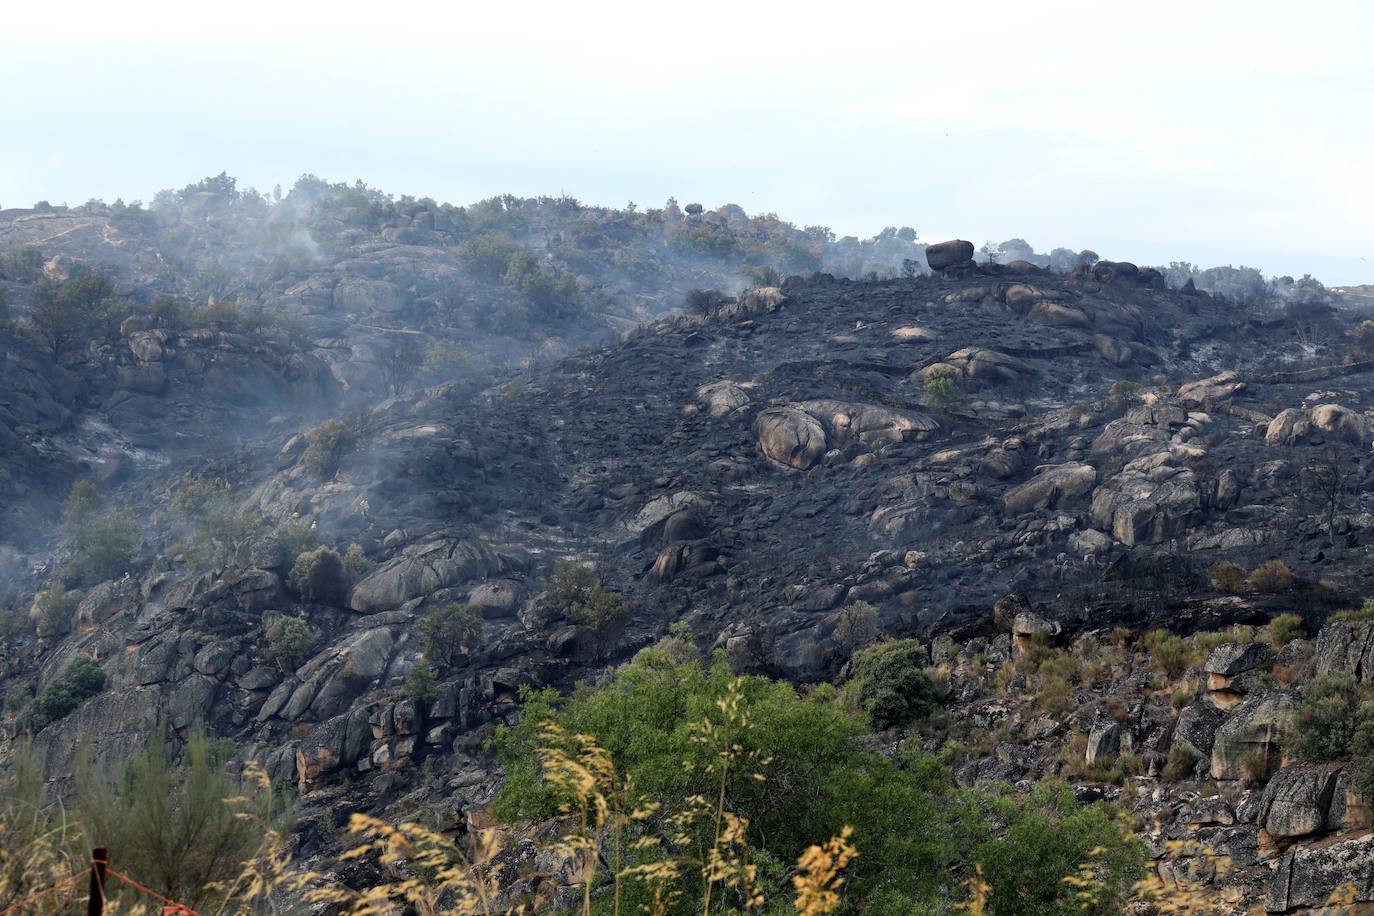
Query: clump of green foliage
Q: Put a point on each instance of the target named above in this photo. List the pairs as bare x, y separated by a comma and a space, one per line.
1328, 717
888, 682
82, 679
105, 542
356, 565
574, 588
185, 831
661, 722
450, 630
1170, 654
941, 388
295, 538
1283, 629
1362, 614
54, 608
324, 446
290, 641
318, 577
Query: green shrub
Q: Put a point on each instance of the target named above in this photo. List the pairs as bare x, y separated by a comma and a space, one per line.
1047, 837
79, 681
291, 641
1169, 654
941, 388
888, 683
55, 607
1283, 629
1271, 577
444, 359
916, 833
1227, 577
488, 256
324, 446
185, 831
1327, 718
1364, 614
356, 565
295, 538
106, 546
450, 630
24, 263
420, 681
318, 577
575, 589
1239, 633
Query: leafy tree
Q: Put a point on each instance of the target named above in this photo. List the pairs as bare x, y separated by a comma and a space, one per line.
889, 684
295, 538
574, 588
24, 263
1047, 836
488, 256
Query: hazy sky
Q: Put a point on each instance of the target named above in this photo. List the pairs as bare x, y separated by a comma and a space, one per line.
1215, 132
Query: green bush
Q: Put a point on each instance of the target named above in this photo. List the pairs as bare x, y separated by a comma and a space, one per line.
1171, 655
356, 565
185, 831
24, 262
916, 833
1327, 717
291, 641
575, 589
1363, 614
106, 545
55, 607
1283, 629
295, 538
488, 256
324, 446
941, 388
1048, 836
889, 684
450, 630
318, 577
79, 681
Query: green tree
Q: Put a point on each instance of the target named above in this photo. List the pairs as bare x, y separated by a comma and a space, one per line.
889, 684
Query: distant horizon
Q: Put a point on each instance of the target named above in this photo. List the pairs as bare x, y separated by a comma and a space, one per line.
1226, 133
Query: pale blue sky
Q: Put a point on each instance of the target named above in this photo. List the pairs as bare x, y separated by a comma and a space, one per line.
1217, 133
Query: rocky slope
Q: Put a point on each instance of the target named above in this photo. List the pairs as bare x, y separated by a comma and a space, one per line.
751, 472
